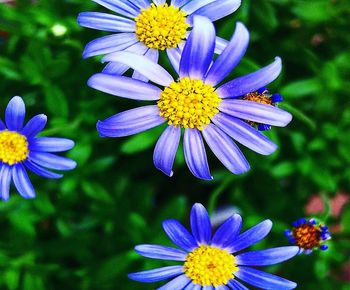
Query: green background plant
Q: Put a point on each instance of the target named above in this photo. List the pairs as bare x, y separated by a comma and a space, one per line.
80, 231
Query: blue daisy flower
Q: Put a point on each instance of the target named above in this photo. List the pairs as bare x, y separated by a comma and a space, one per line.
308, 235
20, 149
196, 101
145, 27
215, 261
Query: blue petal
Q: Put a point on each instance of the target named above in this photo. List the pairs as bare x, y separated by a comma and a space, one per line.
200, 224
225, 149
179, 3
106, 22
250, 237
192, 286
157, 274
195, 156
208, 288
222, 287
117, 68
159, 2
122, 7
2, 125
124, 87
52, 161
179, 235
165, 150
256, 112
251, 82
143, 65
5, 181
220, 45
230, 57
22, 182
161, 252
244, 134
34, 126
151, 54
199, 49
140, 3
35, 168
130, 122
227, 232
235, 285
51, 144
266, 257
109, 43
192, 6
218, 9
178, 283
174, 56
15, 113
263, 280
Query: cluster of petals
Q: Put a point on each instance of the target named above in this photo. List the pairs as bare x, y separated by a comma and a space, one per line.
228, 237
196, 62
124, 27
41, 157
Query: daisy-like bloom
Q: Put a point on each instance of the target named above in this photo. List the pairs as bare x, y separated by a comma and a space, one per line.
197, 102
210, 261
308, 235
20, 148
146, 27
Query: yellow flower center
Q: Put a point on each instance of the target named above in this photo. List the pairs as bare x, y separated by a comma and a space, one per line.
189, 103
210, 266
13, 147
161, 27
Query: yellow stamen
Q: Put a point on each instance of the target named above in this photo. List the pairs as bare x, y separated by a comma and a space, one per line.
161, 27
13, 147
189, 103
210, 266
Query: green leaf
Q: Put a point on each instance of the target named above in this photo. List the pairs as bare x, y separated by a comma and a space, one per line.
141, 142
301, 88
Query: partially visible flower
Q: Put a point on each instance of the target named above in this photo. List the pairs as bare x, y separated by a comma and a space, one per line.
308, 235
198, 102
214, 261
20, 148
346, 271
146, 27
263, 96
316, 205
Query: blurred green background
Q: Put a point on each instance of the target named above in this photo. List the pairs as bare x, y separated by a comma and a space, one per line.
80, 231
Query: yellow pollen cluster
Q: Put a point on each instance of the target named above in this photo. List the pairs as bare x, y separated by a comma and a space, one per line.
258, 98
189, 103
210, 266
13, 147
161, 27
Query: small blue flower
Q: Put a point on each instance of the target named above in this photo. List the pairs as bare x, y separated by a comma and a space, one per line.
20, 148
196, 102
308, 235
145, 28
215, 261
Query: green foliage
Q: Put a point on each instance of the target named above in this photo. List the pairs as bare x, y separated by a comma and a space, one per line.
80, 231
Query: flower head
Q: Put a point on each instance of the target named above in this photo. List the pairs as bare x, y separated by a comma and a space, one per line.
20, 148
308, 235
197, 102
215, 260
146, 27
